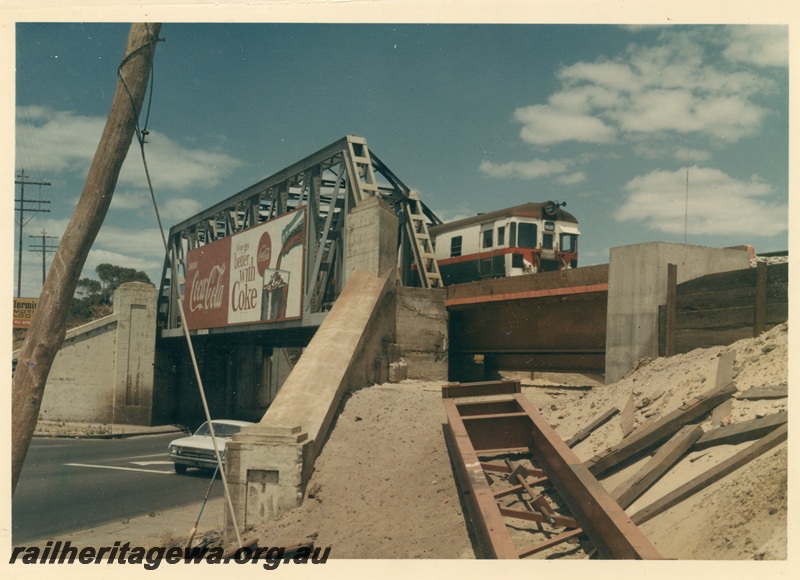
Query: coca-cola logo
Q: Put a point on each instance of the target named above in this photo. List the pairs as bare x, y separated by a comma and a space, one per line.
264, 254
208, 293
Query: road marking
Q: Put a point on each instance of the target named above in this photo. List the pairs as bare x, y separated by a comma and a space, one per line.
146, 463
162, 454
119, 468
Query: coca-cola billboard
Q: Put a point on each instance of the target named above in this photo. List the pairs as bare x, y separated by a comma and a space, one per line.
253, 276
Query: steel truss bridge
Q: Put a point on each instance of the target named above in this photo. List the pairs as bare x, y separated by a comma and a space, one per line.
330, 184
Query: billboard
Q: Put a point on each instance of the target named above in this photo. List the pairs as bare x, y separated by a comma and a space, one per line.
255, 275
23, 311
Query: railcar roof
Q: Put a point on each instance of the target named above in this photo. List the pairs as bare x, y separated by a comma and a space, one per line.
531, 210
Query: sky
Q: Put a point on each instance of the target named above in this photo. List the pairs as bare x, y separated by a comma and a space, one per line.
647, 132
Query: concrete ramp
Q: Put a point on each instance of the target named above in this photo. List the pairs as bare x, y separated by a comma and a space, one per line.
341, 356
269, 465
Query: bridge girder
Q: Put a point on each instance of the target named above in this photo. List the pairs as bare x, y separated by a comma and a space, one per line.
329, 183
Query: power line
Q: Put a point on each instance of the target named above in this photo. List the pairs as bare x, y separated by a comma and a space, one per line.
46, 247
21, 209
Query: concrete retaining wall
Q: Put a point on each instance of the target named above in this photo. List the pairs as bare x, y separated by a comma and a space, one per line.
103, 372
422, 332
637, 285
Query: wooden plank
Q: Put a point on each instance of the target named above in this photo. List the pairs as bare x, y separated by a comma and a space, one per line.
778, 274
777, 313
592, 427
756, 393
778, 292
558, 519
713, 282
687, 340
761, 299
627, 417
455, 390
723, 374
712, 475
721, 413
715, 318
671, 318
667, 455
741, 432
547, 544
726, 297
658, 431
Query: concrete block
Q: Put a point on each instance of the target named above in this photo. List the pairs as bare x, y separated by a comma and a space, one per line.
398, 371
371, 238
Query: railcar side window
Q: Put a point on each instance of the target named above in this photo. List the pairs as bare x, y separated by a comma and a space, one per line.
527, 236
488, 238
455, 246
501, 236
512, 235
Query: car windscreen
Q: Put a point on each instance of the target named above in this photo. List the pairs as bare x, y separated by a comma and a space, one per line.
220, 430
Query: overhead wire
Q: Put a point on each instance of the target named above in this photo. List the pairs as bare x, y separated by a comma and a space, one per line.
141, 134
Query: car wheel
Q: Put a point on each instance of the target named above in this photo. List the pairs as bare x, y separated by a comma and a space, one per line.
180, 469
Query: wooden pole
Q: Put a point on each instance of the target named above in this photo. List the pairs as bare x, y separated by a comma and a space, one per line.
672, 283
48, 326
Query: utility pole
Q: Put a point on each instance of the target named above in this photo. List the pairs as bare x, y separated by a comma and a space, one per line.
46, 248
21, 209
49, 323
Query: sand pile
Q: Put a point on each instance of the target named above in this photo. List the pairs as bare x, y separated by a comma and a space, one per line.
383, 485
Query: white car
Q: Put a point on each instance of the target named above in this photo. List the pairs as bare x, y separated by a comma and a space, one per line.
198, 450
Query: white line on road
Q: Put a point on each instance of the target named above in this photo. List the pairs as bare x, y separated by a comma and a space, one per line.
146, 463
120, 468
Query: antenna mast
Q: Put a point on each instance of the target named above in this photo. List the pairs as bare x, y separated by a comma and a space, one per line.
686, 211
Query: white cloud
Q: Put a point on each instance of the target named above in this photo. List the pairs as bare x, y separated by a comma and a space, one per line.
689, 154
676, 87
572, 178
175, 167
680, 153
125, 201
718, 204
548, 124
524, 169
180, 209
62, 141
759, 45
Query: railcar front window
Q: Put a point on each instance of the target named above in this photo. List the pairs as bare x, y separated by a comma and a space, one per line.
501, 236
568, 243
527, 236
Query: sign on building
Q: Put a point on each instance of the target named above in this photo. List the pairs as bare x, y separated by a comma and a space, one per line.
255, 275
23, 311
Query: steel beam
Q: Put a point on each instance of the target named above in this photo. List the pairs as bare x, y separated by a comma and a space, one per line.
514, 424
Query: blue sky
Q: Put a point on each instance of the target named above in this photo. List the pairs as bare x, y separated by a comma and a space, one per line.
475, 117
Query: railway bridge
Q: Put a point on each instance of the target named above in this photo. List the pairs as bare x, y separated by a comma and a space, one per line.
254, 276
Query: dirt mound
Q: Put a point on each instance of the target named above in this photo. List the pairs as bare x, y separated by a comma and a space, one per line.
383, 485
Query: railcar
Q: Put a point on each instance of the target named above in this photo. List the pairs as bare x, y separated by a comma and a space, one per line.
524, 239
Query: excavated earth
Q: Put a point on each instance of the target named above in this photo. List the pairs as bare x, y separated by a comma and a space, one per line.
383, 485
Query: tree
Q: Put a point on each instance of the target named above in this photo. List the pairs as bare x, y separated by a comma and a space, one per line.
94, 298
112, 276
48, 326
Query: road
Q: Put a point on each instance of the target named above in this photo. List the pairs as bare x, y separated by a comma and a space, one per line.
68, 485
